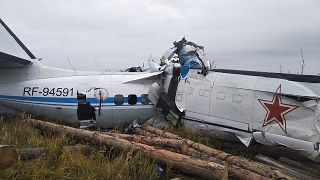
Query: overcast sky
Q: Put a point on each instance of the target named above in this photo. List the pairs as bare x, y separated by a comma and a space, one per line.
250, 35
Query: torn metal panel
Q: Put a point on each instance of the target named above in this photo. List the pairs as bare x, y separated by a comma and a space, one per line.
274, 108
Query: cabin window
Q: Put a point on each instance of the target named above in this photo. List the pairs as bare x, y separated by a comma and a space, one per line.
118, 99
144, 99
132, 99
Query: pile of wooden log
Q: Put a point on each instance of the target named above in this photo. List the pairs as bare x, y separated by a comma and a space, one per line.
183, 154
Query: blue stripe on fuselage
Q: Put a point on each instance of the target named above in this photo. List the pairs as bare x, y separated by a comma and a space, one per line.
71, 100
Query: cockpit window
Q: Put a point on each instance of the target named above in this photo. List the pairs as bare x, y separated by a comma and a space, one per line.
132, 99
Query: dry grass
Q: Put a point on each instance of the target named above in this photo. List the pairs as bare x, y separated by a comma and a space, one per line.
229, 147
102, 163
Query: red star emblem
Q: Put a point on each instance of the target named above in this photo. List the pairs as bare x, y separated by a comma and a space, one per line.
276, 110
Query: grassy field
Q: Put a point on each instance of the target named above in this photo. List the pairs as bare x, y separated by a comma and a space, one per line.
102, 163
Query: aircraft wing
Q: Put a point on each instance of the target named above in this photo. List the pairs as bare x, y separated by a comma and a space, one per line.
143, 77
13, 53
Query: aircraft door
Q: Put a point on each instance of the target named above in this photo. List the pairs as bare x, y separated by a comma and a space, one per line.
85, 110
233, 104
91, 108
198, 96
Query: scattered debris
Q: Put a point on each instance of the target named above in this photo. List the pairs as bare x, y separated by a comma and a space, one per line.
160, 169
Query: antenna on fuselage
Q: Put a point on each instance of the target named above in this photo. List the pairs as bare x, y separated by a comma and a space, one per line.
98, 65
71, 65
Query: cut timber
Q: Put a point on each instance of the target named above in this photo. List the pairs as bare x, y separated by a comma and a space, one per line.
229, 158
153, 141
313, 165
201, 168
219, 135
300, 166
33, 153
184, 149
8, 156
292, 171
276, 152
184, 163
233, 171
159, 132
84, 149
143, 132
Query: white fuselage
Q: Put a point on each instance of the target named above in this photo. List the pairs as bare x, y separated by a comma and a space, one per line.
52, 93
235, 103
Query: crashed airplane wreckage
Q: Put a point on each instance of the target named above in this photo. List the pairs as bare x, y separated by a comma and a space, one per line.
270, 108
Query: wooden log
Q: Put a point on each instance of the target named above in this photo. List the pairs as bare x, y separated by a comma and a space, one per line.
229, 158
243, 174
200, 168
159, 132
312, 165
153, 141
293, 172
31, 153
276, 151
84, 149
300, 166
8, 156
181, 146
225, 175
143, 132
175, 145
219, 135
233, 171
227, 142
182, 162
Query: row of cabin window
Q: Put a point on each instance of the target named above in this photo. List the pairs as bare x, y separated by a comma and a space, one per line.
132, 99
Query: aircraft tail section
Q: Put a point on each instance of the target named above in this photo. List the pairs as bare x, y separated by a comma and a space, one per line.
13, 53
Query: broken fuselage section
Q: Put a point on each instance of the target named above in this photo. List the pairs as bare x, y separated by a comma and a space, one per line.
270, 108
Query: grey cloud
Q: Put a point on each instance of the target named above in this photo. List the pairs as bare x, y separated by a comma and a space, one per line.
255, 35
